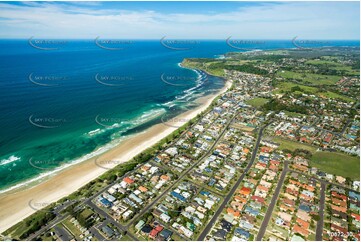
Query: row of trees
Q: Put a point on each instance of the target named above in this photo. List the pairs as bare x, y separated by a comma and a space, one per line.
35, 222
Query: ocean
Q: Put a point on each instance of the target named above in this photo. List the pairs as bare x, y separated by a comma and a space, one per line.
64, 101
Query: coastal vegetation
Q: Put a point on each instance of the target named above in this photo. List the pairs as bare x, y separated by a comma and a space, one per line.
289, 93
31, 224
217, 67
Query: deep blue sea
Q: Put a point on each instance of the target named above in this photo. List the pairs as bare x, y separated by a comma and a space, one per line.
63, 101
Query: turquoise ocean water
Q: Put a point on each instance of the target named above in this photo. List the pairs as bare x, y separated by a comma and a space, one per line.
74, 99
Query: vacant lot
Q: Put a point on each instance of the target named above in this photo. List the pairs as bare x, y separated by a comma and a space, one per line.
337, 163
292, 145
310, 78
257, 102
335, 95
287, 86
331, 162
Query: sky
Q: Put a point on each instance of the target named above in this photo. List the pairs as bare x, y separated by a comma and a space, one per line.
180, 20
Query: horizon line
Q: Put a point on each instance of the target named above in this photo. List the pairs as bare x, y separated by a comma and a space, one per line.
112, 38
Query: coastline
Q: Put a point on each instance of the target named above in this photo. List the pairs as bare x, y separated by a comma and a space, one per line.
15, 206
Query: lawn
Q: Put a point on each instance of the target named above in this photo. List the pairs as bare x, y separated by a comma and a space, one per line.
257, 102
335, 95
293, 114
287, 86
292, 145
72, 228
334, 66
47, 237
315, 79
337, 163
86, 213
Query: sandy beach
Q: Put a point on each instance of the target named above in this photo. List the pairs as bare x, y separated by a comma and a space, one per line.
14, 206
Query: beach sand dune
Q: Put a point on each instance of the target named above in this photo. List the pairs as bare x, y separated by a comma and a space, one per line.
14, 205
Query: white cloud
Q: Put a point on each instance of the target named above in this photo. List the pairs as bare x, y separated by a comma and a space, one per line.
316, 20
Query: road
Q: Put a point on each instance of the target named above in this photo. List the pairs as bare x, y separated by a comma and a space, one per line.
109, 218
319, 229
267, 217
345, 127
57, 219
326, 182
210, 224
97, 234
62, 233
60, 217
149, 206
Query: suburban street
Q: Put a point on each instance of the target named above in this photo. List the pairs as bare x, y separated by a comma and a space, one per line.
109, 218
230, 194
319, 229
267, 217
149, 206
63, 234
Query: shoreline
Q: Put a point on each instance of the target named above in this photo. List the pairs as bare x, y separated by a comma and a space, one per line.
71, 179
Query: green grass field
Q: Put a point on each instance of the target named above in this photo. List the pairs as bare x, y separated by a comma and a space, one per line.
335, 95
331, 162
337, 163
204, 66
72, 228
315, 79
334, 66
287, 86
292, 145
257, 102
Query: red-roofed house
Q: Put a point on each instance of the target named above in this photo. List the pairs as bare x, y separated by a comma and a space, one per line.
153, 233
128, 180
258, 199
300, 230
245, 191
